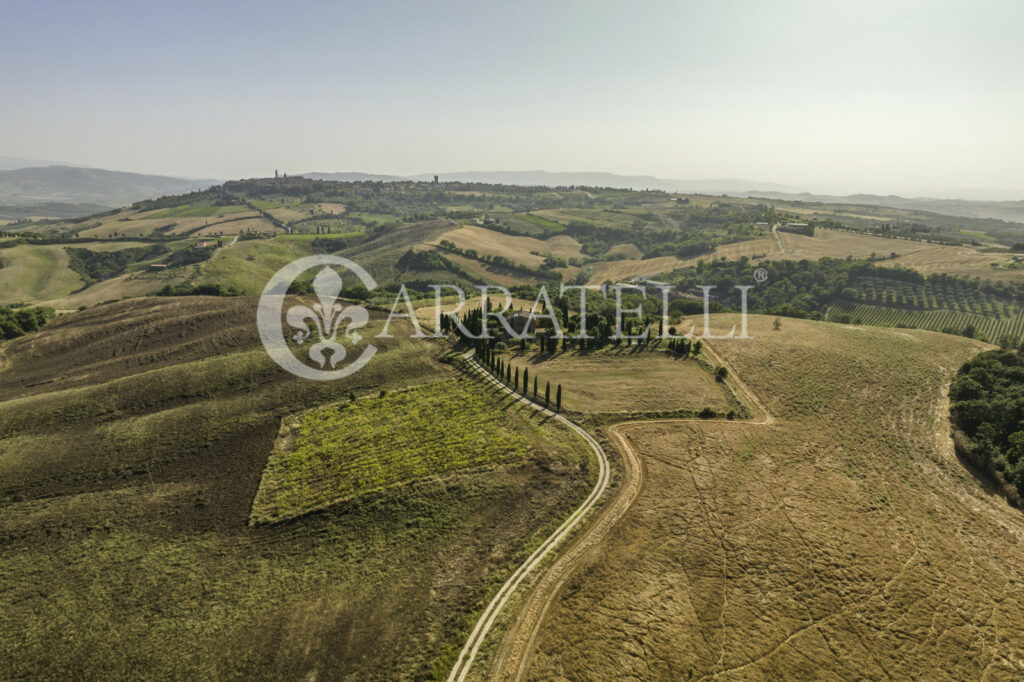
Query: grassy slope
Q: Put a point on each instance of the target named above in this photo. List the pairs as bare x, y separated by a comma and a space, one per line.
845, 541
625, 380
31, 274
129, 467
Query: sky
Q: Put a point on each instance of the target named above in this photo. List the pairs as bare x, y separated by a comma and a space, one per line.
898, 96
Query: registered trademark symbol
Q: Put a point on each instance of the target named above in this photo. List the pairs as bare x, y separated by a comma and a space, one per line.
761, 275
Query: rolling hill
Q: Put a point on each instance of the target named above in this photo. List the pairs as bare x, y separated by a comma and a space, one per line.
134, 439
76, 185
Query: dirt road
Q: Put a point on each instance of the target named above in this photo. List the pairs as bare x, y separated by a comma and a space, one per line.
512, 658
490, 614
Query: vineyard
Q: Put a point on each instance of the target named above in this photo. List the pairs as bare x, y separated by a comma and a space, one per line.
936, 293
989, 327
847, 290
336, 452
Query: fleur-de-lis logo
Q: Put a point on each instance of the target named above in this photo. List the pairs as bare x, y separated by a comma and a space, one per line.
326, 323
326, 316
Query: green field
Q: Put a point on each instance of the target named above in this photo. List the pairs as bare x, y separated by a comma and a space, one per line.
248, 265
343, 451
187, 211
33, 273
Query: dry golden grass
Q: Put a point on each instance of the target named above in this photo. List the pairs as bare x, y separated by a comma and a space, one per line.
486, 272
425, 310
844, 542
927, 258
288, 215
626, 380
332, 208
140, 224
624, 270
517, 249
238, 227
630, 251
966, 261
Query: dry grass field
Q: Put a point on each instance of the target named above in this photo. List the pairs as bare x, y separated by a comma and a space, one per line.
846, 541
625, 270
130, 223
331, 208
133, 437
629, 251
425, 311
486, 272
233, 227
966, 261
288, 214
517, 249
627, 380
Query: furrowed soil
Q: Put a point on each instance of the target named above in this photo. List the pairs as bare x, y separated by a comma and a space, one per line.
132, 441
844, 541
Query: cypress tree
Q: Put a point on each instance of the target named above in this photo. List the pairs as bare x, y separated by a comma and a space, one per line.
558, 399
534, 388
547, 394
516, 384
526, 379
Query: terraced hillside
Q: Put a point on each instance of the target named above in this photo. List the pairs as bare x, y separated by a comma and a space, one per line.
846, 540
133, 438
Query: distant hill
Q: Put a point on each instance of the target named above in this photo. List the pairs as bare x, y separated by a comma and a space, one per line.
74, 185
534, 178
49, 209
14, 163
353, 177
1012, 211
550, 178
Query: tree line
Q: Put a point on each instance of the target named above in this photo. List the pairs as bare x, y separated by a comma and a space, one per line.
987, 409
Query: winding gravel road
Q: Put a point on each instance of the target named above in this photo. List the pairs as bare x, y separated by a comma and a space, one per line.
512, 658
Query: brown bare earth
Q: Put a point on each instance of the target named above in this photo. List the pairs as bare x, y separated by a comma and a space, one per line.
843, 541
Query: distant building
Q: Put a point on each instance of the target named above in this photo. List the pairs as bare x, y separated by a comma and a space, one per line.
202, 245
435, 179
796, 224
762, 225
647, 281
158, 266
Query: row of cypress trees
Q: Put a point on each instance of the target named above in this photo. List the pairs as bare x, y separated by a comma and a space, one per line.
503, 372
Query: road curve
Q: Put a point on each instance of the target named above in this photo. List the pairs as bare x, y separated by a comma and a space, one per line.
490, 614
512, 658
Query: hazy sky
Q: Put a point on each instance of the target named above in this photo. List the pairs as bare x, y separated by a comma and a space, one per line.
830, 96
